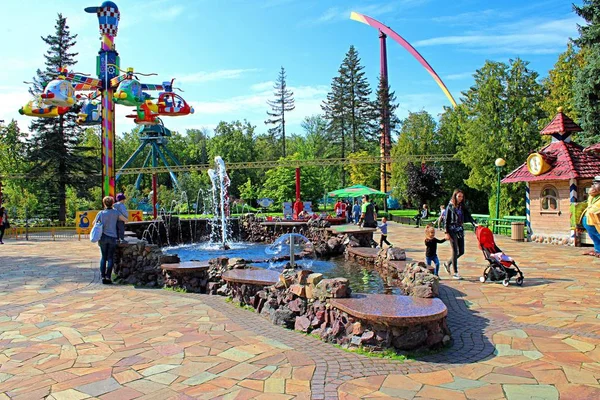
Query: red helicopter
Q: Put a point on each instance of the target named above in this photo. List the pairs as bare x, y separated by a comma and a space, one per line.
146, 114
171, 104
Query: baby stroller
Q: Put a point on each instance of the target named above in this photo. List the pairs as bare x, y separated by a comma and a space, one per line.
502, 267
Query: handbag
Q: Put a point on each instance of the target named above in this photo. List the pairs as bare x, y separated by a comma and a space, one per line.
6, 224
96, 232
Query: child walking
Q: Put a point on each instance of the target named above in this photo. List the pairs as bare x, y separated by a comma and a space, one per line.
383, 229
431, 243
122, 209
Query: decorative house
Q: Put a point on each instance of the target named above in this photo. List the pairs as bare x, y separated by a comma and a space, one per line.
557, 177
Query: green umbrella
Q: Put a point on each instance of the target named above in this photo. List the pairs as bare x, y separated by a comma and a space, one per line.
356, 191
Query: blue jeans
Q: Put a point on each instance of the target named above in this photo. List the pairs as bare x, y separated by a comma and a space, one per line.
592, 233
120, 230
108, 245
436, 261
356, 217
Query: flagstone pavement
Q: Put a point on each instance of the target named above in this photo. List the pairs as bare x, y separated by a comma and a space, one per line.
63, 335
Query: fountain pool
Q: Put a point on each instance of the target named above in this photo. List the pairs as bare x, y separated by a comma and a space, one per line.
362, 279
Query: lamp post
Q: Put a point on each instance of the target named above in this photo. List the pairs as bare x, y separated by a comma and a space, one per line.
500, 163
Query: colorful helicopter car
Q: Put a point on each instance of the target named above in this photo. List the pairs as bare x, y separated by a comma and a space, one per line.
37, 109
59, 92
130, 93
173, 105
90, 114
146, 114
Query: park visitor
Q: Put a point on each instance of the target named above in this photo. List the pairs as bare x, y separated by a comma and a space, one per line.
356, 212
108, 242
431, 243
441, 221
122, 208
456, 214
367, 217
338, 208
424, 213
383, 228
590, 217
3, 223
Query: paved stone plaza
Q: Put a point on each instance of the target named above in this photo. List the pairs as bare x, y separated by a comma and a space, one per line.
63, 335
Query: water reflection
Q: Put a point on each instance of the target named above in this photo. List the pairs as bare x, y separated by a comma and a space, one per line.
362, 279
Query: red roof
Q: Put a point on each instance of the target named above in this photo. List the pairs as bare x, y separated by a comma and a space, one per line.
595, 148
561, 124
570, 162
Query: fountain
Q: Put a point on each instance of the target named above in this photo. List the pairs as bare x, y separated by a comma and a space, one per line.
291, 245
220, 190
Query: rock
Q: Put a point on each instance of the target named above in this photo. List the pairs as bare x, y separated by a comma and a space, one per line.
367, 336
396, 254
302, 276
302, 324
286, 280
332, 288
297, 306
308, 291
314, 279
357, 328
283, 317
356, 340
223, 290
298, 290
423, 291
410, 339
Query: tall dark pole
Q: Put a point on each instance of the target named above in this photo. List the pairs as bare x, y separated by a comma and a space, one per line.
385, 140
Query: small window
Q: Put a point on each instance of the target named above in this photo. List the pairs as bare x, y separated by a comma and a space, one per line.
550, 199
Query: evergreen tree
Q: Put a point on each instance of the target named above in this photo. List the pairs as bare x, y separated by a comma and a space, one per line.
589, 34
55, 149
361, 112
386, 100
284, 102
335, 113
587, 83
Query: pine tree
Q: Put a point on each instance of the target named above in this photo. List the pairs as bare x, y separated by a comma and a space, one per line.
284, 102
587, 89
54, 147
335, 112
361, 112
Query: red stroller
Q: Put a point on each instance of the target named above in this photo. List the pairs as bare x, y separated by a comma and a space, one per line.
501, 267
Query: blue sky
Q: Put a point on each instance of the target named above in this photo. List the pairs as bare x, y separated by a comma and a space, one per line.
226, 54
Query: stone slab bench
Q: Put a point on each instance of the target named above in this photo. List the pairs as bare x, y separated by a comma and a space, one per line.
392, 310
363, 255
189, 275
253, 277
186, 266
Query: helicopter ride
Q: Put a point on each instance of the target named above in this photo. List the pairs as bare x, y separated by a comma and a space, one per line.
90, 114
59, 92
35, 108
146, 114
129, 93
171, 104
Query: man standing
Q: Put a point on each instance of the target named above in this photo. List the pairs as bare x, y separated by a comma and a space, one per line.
368, 213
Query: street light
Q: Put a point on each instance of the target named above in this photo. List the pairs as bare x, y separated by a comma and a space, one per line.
500, 163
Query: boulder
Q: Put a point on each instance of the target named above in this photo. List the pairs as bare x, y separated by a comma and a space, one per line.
302, 324
283, 317
332, 288
396, 254
314, 279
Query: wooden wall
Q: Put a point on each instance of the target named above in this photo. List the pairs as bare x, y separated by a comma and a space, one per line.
558, 223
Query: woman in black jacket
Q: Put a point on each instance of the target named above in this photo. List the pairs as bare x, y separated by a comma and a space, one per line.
456, 214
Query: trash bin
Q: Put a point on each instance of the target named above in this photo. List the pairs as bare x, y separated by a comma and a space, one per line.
517, 231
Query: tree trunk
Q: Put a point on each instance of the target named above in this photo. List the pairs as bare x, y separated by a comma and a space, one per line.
62, 175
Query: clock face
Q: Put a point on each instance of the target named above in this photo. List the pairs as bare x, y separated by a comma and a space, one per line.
535, 165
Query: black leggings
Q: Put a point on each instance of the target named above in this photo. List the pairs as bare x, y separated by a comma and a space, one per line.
2, 232
384, 240
457, 243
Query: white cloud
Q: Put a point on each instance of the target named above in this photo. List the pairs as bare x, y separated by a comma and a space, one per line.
203, 76
257, 87
335, 14
528, 36
457, 77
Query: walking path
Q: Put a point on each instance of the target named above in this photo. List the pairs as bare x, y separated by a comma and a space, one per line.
65, 336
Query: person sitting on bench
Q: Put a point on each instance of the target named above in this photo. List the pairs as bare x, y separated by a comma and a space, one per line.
423, 214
